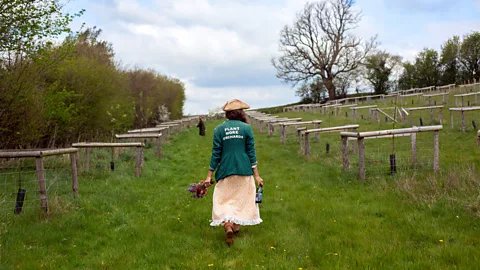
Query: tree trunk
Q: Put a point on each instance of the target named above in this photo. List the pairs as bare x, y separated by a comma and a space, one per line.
328, 82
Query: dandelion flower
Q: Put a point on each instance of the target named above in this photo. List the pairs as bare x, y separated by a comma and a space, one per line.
272, 247
210, 264
284, 250
300, 268
334, 220
441, 241
336, 254
306, 257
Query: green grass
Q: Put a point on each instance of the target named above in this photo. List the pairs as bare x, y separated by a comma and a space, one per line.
315, 215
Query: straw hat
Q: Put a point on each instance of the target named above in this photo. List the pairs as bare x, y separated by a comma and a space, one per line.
235, 104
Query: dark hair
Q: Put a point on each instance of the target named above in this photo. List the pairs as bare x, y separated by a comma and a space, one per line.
237, 115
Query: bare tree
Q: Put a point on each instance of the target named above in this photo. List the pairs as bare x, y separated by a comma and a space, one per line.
320, 44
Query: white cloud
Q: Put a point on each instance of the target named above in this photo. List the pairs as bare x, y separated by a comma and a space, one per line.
214, 46
201, 99
439, 32
222, 48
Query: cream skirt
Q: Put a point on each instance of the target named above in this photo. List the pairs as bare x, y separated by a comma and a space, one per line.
234, 201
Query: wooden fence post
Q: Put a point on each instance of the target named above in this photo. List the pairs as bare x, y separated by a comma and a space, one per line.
361, 158
414, 147
354, 147
300, 136
478, 138
115, 152
142, 158
159, 146
307, 144
346, 163
280, 129
451, 119
436, 166
138, 161
41, 183
73, 161
317, 135
431, 114
87, 159
441, 116
284, 134
77, 160
463, 121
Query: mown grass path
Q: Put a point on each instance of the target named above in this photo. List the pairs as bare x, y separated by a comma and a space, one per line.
314, 218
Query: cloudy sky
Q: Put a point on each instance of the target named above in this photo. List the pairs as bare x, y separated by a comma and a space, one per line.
221, 49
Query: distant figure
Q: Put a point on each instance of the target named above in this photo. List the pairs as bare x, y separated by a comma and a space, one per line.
201, 126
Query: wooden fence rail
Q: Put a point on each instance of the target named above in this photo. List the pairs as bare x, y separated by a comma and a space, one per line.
157, 136
284, 125
88, 146
462, 111
40, 170
361, 136
322, 130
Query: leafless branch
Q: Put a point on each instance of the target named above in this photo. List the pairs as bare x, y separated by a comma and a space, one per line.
320, 44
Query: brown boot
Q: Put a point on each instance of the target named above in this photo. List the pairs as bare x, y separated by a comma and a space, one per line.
229, 235
236, 229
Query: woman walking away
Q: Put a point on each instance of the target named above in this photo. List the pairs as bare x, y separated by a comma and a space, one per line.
201, 126
235, 162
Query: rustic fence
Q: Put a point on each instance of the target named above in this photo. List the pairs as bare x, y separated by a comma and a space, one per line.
392, 162
429, 108
39, 175
462, 111
318, 131
145, 137
113, 146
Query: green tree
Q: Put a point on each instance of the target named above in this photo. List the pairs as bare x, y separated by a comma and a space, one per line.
408, 78
27, 28
470, 55
379, 67
449, 60
427, 68
85, 97
312, 92
29, 25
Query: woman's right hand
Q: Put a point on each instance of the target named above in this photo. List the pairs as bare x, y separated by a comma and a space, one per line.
208, 182
259, 180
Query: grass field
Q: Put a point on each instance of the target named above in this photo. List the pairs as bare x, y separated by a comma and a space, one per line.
315, 215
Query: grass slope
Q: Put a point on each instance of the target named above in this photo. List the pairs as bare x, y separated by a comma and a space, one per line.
315, 217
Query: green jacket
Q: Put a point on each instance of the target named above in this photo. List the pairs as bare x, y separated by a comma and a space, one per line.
233, 151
